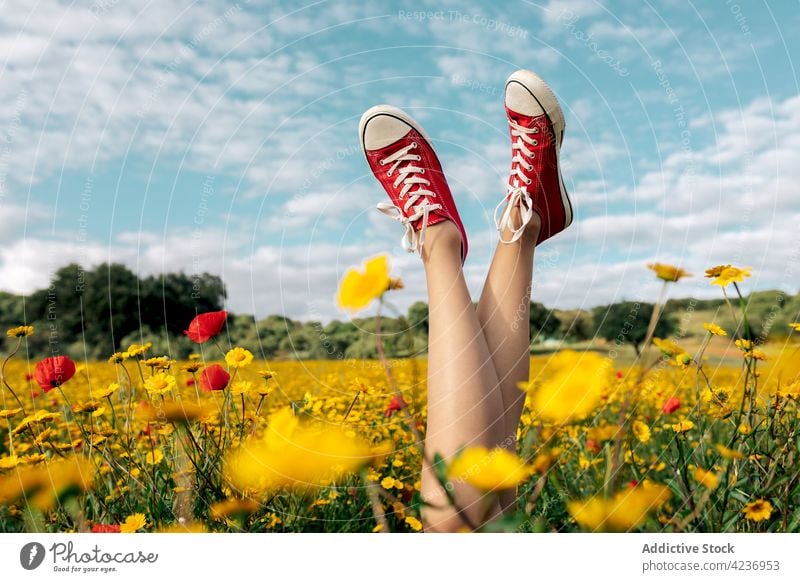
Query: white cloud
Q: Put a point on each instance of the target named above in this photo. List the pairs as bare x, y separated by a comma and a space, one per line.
555, 12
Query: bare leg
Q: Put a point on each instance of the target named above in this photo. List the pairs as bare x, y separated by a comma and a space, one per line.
504, 311
464, 402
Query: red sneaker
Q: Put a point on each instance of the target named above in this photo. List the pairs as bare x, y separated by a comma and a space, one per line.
401, 156
536, 123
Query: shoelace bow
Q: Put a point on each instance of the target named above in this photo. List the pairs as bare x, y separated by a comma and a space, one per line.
417, 200
518, 194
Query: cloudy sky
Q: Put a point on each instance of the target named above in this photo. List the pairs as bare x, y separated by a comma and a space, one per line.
222, 137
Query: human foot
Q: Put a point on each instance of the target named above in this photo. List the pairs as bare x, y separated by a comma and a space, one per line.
535, 185
402, 158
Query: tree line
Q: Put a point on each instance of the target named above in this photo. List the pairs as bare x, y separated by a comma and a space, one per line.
90, 314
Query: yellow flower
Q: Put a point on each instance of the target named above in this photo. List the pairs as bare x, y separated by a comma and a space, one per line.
294, 456
267, 374
707, 479
8, 413
106, 392
118, 357
626, 510
795, 326
725, 275
238, 357
159, 362
38, 417
668, 273
604, 432
789, 390
160, 383
154, 457
745, 429
241, 387
387, 482
273, 520
641, 431
683, 426
744, 344
489, 469
264, 389
20, 331
192, 367
715, 271
727, 453
413, 523
361, 386
759, 510
43, 486
667, 347
575, 388
233, 508
683, 360
543, 461
133, 523
9, 462
357, 290
139, 349
714, 329
176, 411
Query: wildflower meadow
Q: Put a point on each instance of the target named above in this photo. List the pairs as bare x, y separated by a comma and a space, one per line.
673, 441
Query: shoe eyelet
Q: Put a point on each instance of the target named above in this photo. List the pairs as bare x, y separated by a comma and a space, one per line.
382, 162
529, 181
530, 167
413, 145
535, 130
422, 171
419, 158
535, 142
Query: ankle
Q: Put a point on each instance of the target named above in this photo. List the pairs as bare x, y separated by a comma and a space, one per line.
531, 233
441, 238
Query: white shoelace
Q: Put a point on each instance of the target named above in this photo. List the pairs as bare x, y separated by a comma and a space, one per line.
409, 175
518, 190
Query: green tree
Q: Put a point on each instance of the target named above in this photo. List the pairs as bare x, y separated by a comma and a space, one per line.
418, 318
543, 322
576, 326
627, 322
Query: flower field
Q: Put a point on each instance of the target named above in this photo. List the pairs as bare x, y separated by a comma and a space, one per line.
224, 442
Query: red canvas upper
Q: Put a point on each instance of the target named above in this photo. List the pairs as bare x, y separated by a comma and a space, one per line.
544, 188
433, 173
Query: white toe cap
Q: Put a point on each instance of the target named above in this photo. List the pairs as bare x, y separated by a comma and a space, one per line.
381, 126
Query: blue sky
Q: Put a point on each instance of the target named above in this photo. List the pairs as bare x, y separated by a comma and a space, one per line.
221, 137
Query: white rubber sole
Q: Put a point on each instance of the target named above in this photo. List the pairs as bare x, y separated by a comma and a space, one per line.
547, 100
395, 112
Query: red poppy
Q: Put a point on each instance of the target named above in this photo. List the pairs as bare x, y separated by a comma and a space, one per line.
671, 405
633, 483
105, 528
592, 446
396, 404
214, 378
206, 325
53, 372
190, 382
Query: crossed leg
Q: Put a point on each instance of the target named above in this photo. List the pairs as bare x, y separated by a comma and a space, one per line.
465, 404
504, 314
